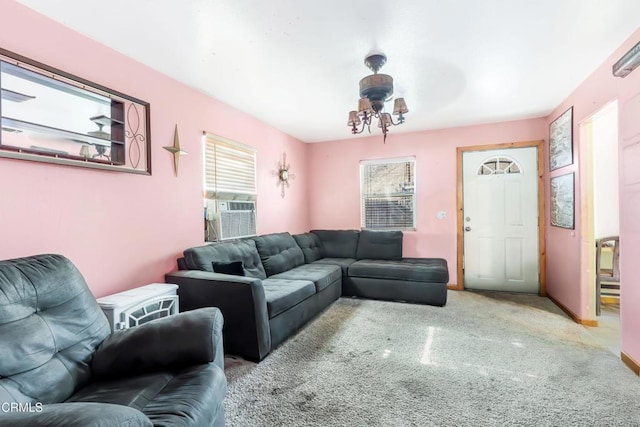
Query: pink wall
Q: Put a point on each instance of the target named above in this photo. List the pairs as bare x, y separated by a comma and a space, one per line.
563, 247
334, 181
125, 230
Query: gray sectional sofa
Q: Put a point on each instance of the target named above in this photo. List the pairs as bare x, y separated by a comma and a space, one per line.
269, 286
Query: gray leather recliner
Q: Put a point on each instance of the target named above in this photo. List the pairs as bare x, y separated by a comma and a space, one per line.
61, 366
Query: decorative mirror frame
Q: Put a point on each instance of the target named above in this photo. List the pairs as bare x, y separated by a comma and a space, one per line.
128, 143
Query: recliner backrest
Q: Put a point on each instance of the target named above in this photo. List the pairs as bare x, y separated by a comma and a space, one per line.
50, 326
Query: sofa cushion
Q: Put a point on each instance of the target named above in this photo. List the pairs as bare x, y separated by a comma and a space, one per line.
379, 245
278, 252
201, 257
282, 294
338, 243
410, 269
322, 275
343, 263
311, 246
234, 268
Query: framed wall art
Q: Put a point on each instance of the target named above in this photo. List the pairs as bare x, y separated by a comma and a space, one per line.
561, 141
562, 201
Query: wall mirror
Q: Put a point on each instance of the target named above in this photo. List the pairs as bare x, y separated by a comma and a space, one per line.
51, 116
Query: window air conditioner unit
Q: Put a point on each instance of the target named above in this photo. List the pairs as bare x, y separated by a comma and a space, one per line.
236, 219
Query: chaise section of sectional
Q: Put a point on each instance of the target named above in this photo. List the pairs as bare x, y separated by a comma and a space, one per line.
417, 280
373, 266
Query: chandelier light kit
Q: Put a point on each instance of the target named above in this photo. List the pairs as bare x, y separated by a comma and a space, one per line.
375, 90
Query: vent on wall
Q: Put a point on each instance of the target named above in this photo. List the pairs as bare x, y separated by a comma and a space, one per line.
236, 219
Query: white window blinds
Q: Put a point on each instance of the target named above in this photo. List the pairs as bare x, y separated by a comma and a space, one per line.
229, 168
387, 189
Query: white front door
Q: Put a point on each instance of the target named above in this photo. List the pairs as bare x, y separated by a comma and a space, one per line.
500, 220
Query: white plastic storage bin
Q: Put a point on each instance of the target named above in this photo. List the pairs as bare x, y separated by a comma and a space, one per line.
140, 305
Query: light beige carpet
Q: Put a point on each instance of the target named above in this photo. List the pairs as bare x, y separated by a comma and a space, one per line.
482, 360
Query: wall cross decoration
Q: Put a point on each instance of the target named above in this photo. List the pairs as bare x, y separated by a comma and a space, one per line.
175, 150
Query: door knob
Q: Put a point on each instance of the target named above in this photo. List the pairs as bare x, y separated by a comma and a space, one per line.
467, 229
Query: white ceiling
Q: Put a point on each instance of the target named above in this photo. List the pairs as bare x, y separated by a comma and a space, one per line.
295, 64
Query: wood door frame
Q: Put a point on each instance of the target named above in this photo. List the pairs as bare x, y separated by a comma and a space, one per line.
542, 267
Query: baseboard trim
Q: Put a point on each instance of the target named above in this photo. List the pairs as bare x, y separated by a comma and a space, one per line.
631, 364
571, 314
453, 286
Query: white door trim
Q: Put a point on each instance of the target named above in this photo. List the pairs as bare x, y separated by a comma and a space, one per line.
541, 210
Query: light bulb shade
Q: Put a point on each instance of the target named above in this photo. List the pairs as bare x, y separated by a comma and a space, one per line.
85, 151
384, 121
354, 119
364, 106
399, 106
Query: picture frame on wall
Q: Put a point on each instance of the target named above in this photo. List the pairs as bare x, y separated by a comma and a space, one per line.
561, 141
563, 201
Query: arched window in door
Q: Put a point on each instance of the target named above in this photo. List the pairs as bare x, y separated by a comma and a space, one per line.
499, 165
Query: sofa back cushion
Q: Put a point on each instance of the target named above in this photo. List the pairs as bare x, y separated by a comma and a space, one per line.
278, 252
50, 324
338, 243
311, 246
380, 245
203, 257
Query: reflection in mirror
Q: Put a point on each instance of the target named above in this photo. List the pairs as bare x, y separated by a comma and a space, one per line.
48, 115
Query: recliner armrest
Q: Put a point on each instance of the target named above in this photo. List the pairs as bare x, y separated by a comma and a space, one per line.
182, 340
242, 302
86, 414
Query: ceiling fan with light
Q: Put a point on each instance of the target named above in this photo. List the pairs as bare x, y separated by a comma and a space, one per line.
375, 90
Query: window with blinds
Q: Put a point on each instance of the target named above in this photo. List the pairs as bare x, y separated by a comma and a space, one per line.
229, 189
229, 169
387, 189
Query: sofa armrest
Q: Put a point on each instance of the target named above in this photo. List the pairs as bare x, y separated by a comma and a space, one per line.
178, 341
86, 414
242, 302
